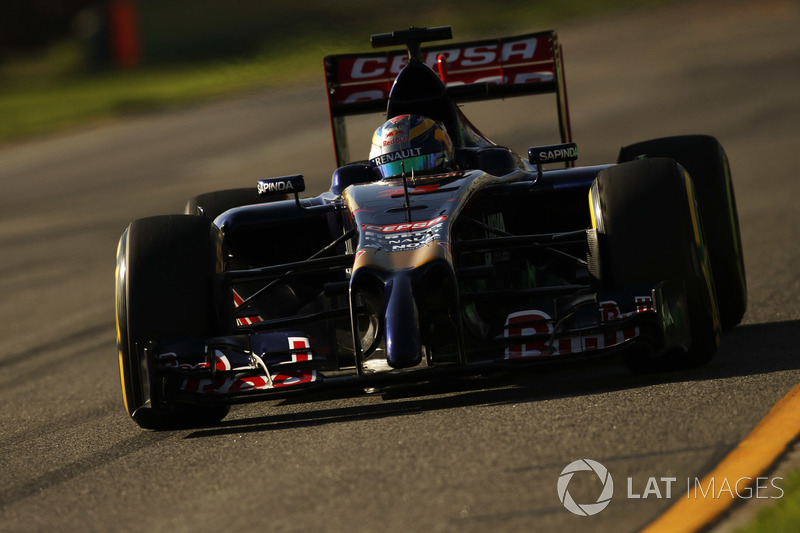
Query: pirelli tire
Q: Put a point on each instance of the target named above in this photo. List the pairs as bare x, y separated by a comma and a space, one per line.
648, 231
212, 204
165, 267
705, 160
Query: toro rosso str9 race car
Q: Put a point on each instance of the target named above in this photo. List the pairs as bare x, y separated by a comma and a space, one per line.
442, 252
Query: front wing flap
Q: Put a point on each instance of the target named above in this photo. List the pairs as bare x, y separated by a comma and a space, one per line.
222, 368
596, 322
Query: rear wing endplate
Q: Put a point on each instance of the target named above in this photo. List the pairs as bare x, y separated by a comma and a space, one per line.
472, 71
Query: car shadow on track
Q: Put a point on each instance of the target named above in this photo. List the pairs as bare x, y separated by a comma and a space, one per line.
746, 350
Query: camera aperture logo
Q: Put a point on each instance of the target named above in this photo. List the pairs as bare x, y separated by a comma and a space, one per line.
585, 509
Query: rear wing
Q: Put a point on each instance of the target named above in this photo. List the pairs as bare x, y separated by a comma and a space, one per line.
472, 71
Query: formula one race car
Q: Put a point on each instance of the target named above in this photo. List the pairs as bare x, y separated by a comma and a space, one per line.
441, 253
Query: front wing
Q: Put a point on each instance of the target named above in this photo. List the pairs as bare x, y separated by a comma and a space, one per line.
259, 365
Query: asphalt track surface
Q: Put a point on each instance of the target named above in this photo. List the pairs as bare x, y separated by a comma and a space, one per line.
461, 456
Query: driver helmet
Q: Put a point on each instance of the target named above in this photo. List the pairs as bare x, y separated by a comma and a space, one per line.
411, 144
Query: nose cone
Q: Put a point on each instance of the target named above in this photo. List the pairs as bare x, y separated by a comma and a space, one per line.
403, 346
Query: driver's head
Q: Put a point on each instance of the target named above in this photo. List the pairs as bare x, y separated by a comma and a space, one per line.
411, 143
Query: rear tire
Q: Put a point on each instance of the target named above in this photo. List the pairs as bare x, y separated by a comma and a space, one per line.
165, 268
212, 204
705, 160
649, 233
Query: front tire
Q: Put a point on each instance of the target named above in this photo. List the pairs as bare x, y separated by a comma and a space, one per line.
165, 268
705, 160
650, 232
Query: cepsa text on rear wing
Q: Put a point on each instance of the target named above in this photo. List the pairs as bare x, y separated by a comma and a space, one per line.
472, 71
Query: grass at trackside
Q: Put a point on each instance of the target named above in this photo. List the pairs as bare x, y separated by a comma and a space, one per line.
53, 90
783, 516
48, 101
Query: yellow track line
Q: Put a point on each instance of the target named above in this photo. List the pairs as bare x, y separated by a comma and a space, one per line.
750, 459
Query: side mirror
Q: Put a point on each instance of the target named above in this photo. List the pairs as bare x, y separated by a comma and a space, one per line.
555, 153
283, 185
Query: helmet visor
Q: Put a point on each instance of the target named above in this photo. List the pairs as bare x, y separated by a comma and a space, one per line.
421, 164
